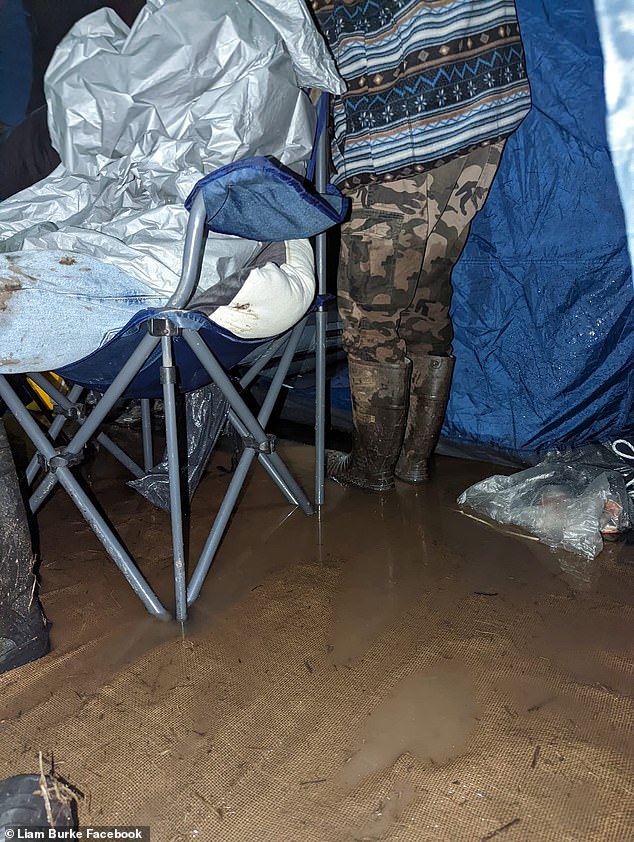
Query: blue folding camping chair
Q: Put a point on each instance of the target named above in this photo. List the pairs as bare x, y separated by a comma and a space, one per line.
171, 350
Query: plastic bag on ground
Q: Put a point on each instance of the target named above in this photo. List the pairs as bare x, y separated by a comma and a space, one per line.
206, 411
568, 501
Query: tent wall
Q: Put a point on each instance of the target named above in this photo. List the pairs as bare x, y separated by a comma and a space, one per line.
543, 291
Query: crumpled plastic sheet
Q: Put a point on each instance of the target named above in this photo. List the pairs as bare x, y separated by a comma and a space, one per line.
623, 449
568, 501
206, 411
140, 115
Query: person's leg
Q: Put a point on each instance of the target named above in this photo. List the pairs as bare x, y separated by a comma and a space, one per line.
456, 192
379, 265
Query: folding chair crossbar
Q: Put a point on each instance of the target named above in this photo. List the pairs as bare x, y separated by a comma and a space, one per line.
58, 461
242, 419
66, 478
69, 407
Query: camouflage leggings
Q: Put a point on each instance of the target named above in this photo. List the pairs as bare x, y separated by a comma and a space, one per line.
397, 253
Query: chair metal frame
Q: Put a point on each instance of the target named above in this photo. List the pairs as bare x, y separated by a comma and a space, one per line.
163, 327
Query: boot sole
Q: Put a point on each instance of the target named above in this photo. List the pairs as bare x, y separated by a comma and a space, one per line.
349, 483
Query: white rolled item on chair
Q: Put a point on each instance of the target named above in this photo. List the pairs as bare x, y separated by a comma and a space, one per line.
273, 298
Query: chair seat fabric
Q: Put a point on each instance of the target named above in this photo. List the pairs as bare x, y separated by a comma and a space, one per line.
58, 307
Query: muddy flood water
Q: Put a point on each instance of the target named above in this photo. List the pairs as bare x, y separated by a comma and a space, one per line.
389, 669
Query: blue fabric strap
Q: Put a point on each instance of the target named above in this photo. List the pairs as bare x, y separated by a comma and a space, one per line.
259, 199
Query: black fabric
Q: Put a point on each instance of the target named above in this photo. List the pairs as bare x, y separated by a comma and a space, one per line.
26, 154
22, 803
50, 22
23, 634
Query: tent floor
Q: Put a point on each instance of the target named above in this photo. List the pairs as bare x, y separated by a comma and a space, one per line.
392, 670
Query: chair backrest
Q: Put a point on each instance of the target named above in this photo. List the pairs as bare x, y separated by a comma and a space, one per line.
260, 199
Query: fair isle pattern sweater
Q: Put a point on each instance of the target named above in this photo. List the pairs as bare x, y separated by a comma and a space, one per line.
427, 80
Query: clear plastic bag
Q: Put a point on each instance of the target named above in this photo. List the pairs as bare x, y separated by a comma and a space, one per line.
568, 501
624, 450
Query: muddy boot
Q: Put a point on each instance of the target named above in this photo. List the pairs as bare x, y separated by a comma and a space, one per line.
429, 393
379, 408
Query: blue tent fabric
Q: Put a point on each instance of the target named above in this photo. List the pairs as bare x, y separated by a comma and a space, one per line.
16, 62
543, 292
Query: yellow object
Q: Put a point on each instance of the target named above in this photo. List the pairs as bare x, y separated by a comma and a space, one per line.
56, 380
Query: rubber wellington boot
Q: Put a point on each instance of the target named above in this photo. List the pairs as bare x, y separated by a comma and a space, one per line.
379, 409
429, 394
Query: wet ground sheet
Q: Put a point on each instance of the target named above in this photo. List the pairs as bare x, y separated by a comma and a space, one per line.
391, 670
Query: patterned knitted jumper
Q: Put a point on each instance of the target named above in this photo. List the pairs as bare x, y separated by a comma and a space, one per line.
426, 81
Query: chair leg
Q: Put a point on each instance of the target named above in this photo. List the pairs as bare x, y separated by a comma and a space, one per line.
285, 481
112, 545
272, 464
59, 460
320, 403
241, 416
68, 407
92, 423
55, 428
146, 430
168, 376
252, 430
60, 472
220, 524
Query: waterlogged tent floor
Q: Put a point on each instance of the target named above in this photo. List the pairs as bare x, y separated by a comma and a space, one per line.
392, 670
